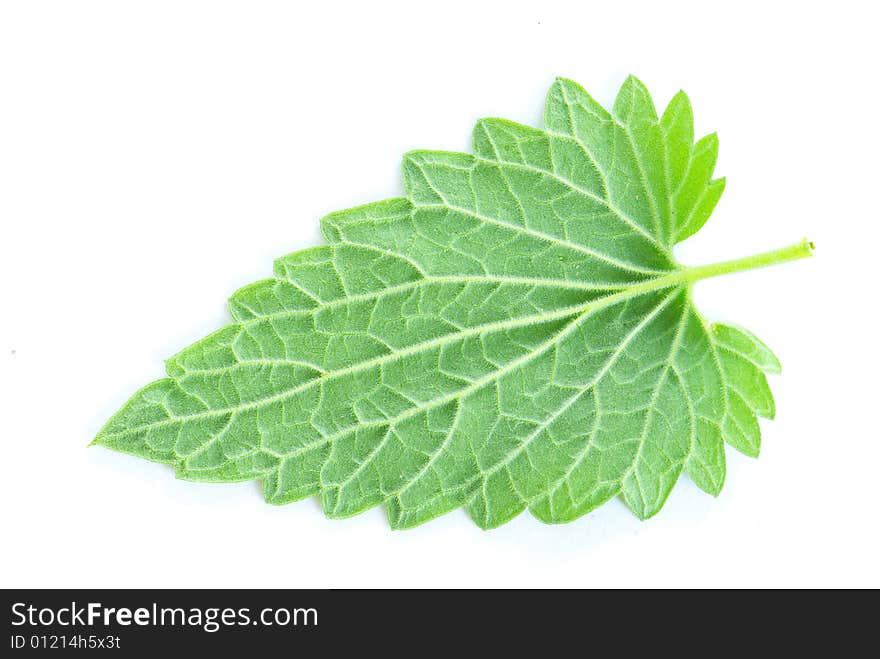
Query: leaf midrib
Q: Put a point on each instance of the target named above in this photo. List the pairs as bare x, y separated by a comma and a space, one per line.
671, 279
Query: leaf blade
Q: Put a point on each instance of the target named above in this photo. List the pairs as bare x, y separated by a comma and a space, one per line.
513, 334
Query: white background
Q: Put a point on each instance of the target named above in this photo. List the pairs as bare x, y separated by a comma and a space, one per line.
155, 156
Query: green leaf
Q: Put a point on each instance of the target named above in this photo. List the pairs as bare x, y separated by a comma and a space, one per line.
515, 333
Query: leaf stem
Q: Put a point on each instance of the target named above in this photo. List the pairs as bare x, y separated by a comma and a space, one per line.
799, 250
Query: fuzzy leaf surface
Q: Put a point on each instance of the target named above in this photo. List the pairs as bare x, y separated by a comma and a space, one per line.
514, 333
